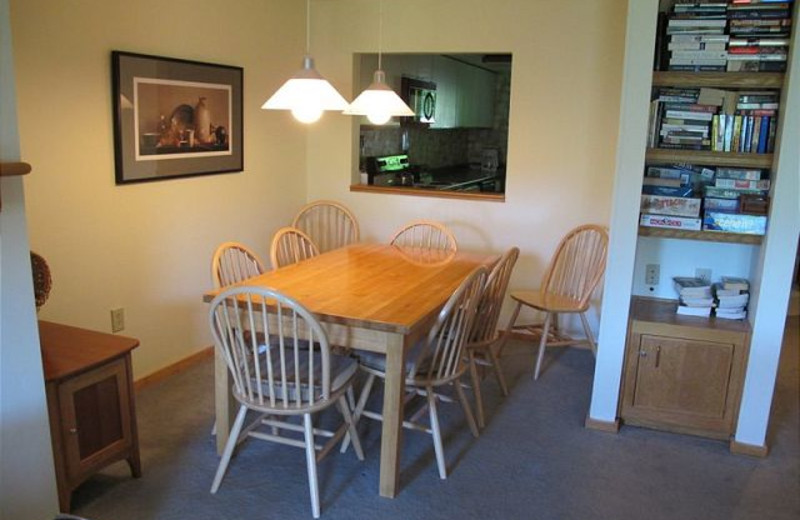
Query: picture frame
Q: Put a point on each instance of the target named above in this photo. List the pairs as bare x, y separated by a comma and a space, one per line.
175, 118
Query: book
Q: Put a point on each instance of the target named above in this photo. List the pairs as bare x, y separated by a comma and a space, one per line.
697, 302
691, 287
665, 205
694, 311
741, 184
667, 191
713, 203
664, 221
714, 220
739, 173
735, 282
726, 302
725, 193
738, 314
720, 291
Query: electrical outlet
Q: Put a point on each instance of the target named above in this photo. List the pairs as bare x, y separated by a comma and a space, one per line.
703, 273
652, 272
117, 319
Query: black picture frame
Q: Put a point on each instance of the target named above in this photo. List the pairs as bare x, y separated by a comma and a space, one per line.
175, 118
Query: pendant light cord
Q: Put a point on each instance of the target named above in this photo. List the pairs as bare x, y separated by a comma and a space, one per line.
308, 27
380, 31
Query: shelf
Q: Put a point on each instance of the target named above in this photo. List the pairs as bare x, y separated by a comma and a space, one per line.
708, 158
718, 79
13, 169
707, 236
655, 310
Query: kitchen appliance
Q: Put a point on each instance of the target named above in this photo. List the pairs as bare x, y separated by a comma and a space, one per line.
421, 97
389, 170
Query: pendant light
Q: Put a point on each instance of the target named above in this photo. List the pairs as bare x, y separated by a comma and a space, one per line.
379, 102
307, 94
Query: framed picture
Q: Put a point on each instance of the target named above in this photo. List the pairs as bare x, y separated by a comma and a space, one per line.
175, 118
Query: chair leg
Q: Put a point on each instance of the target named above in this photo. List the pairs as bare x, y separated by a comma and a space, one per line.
344, 408
229, 446
476, 388
498, 370
436, 434
588, 332
311, 462
542, 343
362, 401
466, 408
507, 333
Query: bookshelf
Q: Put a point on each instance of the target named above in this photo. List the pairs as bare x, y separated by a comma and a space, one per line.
764, 260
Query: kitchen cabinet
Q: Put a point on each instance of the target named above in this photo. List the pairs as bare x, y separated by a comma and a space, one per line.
90, 401
683, 373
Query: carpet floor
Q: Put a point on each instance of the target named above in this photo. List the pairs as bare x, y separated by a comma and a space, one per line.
534, 460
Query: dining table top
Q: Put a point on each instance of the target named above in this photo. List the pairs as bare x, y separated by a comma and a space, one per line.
375, 286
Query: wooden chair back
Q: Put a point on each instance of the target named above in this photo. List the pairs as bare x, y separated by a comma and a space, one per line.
578, 264
488, 313
234, 262
271, 367
329, 224
425, 234
441, 358
289, 246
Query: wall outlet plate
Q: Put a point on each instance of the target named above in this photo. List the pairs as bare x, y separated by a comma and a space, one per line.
117, 319
703, 273
652, 273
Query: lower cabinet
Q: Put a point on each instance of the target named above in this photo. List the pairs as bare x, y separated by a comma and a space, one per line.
683, 373
88, 379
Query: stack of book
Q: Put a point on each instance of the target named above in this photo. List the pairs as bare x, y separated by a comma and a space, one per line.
751, 128
697, 39
737, 202
669, 196
695, 298
679, 120
759, 35
730, 298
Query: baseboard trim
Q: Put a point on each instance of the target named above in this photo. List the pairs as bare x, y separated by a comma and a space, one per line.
603, 426
530, 338
173, 369
752, 450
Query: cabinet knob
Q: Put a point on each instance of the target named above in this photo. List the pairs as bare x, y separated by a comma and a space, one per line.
73, 431
642, 353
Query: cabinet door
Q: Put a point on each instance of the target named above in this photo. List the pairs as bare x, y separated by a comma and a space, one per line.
683, 377
95, 416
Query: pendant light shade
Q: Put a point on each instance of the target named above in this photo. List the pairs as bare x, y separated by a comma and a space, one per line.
307, 94
379, 102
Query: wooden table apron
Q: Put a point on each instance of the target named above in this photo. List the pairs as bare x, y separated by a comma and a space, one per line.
369, 297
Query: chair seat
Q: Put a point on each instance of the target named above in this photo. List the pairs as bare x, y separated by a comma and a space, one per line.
343, 369
376, 363
548, 302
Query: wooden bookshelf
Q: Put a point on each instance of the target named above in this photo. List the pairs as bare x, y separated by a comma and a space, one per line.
707, 236
718, 79
709, 158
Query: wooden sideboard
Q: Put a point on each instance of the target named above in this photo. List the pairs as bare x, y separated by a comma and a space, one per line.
90, 401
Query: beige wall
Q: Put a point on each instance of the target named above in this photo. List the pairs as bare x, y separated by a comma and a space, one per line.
147, 247
565, 89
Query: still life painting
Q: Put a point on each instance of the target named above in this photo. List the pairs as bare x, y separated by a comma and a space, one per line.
175, 118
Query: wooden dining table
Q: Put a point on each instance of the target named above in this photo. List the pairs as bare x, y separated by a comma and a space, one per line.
369, 297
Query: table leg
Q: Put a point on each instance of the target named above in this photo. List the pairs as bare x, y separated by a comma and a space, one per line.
392, 432
224, 405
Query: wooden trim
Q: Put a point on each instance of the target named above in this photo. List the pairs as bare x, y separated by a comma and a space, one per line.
419, 192
752, 450
603, 426
718, 79
707, 236
173, 369
12, 169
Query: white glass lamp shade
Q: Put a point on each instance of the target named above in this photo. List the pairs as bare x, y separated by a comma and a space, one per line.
307, 94
379, 102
